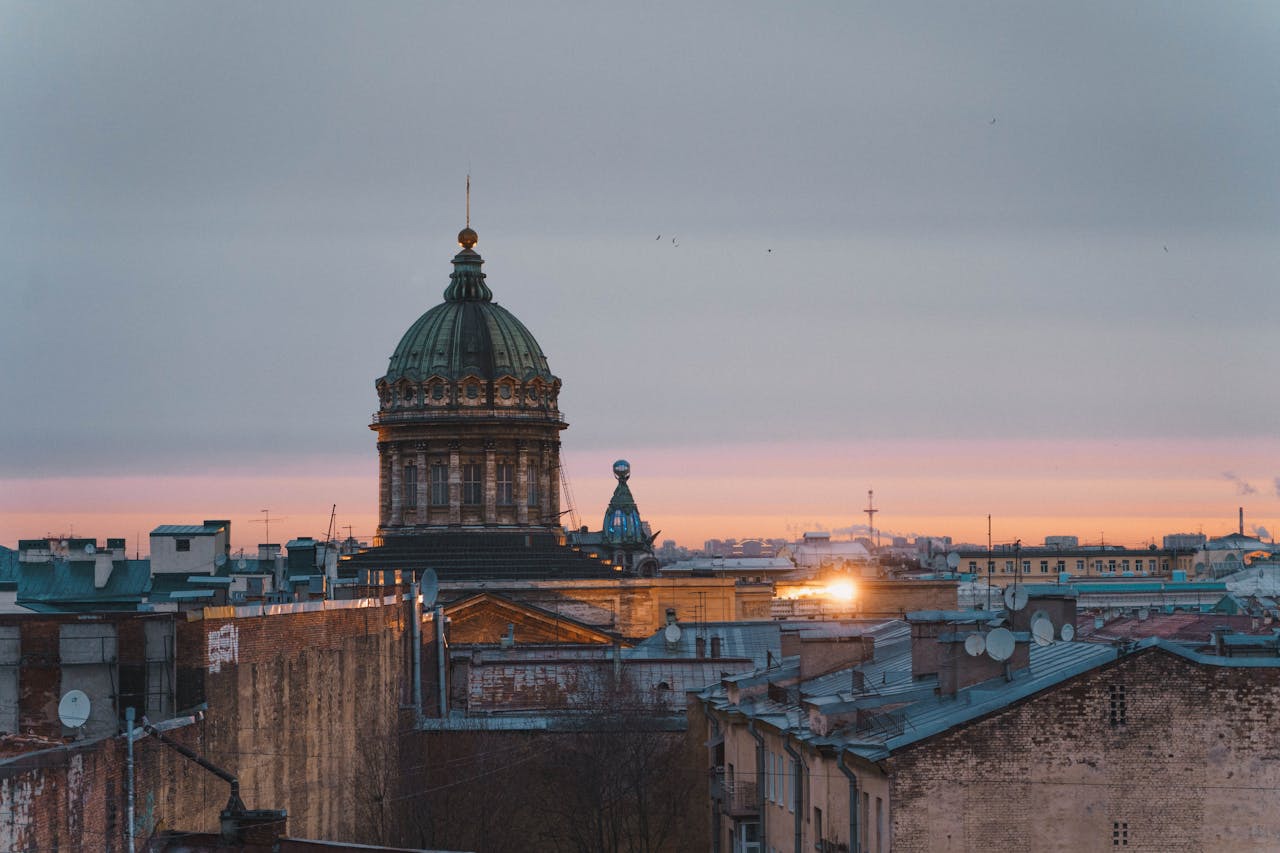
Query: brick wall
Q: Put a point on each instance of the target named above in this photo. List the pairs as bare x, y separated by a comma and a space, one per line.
304, 707
1191, 766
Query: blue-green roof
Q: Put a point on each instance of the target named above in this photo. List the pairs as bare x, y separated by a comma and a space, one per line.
69, 584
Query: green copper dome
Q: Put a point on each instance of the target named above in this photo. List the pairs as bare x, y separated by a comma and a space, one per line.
468, 335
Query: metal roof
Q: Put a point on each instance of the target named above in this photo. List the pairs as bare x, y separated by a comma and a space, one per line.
71, 583
187, 529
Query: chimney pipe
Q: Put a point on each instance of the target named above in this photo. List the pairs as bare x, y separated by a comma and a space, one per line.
1241, 521
700, 647
715, 646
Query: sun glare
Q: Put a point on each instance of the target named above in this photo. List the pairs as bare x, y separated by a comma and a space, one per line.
842, 590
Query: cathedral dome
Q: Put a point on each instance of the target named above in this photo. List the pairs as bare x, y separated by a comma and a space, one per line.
468, 336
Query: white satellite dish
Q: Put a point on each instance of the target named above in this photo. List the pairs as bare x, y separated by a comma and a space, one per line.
672, 633
975, 644
73, 710
1042, 630
242, 564
1000, 644
220, 560
953, 560
430, 587
1068, 632
1015, 597
89, 548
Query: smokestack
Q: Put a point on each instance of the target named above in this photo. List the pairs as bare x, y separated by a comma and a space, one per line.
1241, 521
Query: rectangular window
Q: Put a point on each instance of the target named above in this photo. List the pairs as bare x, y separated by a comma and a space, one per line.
439, 485
1026, 567
409, 486
1120, 834
1079, 565
1044, 567
817, 824
473, 483
1008, 566
533, 485
865, 821
506, 483
1124, 565
182, 544
1118, 710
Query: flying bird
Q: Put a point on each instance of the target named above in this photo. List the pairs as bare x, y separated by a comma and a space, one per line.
659, 237
993, 121
673, 242
1166, 248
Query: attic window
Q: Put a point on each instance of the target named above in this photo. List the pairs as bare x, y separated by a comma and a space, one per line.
182, 544
472, 391
504, 391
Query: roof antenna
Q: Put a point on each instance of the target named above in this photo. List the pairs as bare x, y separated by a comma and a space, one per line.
468, 198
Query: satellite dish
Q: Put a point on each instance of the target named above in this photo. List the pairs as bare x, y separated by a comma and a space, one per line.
430, 587
953, 560
1015, 597
241, 564
63, 543
1000, 644
1042, 630
1068, 632
73, 710
220, 560
975, 644
89, 548
672, 633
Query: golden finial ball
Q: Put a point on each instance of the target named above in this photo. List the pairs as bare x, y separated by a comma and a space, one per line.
467, 238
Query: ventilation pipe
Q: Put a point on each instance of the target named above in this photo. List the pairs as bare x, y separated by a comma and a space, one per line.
416, 616
853, 801
715, 647
440, 662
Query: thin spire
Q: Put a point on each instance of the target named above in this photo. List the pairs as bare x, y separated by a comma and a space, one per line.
468, 199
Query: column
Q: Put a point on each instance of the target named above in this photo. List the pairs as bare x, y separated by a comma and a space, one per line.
384, 484
455, 485
397, 508
545, 476
522, 483
490, 483
423, 515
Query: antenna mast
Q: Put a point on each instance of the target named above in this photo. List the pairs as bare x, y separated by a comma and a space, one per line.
468, 199
871, 516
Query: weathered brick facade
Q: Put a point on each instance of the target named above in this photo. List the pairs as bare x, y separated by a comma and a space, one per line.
1191, 763
304, 707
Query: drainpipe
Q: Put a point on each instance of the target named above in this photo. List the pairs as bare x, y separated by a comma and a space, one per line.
759, 739
853, 801
128, 721
797, 792
715, 809
416, 634
440, 662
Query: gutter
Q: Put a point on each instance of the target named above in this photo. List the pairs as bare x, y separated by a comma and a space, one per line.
853, 801
797, 792
759, 739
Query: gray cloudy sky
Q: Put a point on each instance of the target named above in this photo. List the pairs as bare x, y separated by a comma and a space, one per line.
216, 219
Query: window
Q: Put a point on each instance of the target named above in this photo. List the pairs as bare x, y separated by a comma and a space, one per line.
817, 823
879, 825
533, 485
1026, 567
439, 485
182, 544
1111, 566
1044, 567
409, 486
1079, 565
506, 483
1118, 710
473, 483
1062, 565
1120, 833
437, 391
1097, 565
1008, 566
1124, 564
865, 820
973, 566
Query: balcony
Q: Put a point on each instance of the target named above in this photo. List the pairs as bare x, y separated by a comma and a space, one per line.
741, 799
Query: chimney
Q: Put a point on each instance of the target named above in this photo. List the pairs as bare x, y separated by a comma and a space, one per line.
938, 650
715, 647
102, 566
1241, 521
700, 647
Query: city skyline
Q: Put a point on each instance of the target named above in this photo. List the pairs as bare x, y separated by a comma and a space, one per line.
924, 251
